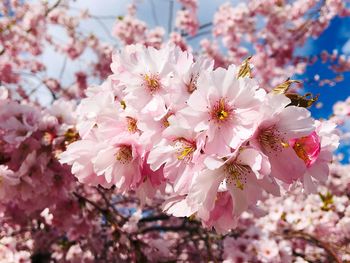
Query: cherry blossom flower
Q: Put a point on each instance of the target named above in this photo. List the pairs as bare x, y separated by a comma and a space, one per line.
244, 176
274, 132
316, 151
224, 108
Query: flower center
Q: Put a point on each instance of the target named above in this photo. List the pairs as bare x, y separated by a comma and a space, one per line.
123, 104
307, 148
165, 120
301, 152
47, 138
192, 85
221, 112
271, 140
152, 82
132, 124
222, 115
237, 174
184, 149
124, 154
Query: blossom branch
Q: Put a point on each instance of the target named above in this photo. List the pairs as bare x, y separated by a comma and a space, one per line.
314, 240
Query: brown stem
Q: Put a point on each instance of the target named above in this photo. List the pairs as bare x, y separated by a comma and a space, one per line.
208, 245
314, 240
41, 82
108, 204
30, 29
108, 215
154, 218
166, 228
170, 20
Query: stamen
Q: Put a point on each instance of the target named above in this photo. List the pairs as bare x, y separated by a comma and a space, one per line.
152, 82
123, 104
221, 112
272, 140
165, 121
132, 124
192, 85
285, 144
237, 174
185, 152
222, 115
300, 151
184, 149
307, 148
124, 154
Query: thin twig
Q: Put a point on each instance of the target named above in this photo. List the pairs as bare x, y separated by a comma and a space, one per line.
103, 26
208, 245
53, 7
205, 25
154, 14
166, 228
54, 97
170, 21
108, 204
63, 68
30, 29
199, 34
104, 17
154, 218
312, 239
103, 211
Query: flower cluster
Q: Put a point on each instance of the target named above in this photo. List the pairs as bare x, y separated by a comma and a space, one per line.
186, 19
31, 177
31, 27
295, 225
170, 131
130, 30
214, 136
273, 30
297, 228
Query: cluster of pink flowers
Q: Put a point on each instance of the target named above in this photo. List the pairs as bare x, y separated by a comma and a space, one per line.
216, 138
130, 30
31, 177
186, 19
272, 30
295, 229
30, 26
169, 131
295, 225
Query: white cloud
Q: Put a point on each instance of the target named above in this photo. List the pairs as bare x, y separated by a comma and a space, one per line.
346, 48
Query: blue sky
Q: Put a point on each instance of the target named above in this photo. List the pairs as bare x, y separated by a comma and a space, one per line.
337, 36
